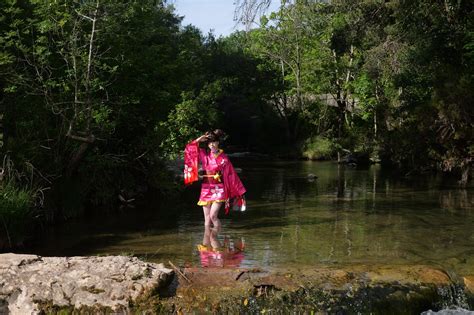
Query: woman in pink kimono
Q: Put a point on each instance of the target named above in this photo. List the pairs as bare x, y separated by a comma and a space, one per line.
220, 182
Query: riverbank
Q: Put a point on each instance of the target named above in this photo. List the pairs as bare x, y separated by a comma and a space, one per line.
356, 289
122, 284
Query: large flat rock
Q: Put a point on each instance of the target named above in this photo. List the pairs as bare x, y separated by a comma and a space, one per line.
29, 281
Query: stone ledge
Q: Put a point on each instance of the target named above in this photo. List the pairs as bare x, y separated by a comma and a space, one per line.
28, 282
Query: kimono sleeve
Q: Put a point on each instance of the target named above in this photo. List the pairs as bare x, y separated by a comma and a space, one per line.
232, 183
191, 156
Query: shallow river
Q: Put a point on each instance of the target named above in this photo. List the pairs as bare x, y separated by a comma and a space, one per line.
345, 216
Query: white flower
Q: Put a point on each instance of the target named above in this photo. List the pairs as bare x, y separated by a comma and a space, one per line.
217, 192
187, 171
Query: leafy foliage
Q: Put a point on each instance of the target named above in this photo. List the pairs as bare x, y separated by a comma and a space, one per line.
190, 117
97, 94
386, 78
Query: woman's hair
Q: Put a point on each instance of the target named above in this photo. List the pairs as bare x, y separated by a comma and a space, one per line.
215, 135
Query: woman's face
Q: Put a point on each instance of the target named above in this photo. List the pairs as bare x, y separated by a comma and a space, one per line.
213, 146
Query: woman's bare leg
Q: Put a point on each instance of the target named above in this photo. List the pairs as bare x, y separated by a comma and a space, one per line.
214, 214
207, 215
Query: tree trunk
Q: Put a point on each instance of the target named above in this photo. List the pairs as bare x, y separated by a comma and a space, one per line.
88, 137
2, 134
465, 172
79, 155
375, 125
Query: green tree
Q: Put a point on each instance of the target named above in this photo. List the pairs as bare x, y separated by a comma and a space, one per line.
436, 82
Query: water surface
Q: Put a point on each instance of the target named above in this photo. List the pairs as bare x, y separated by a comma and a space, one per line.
345, 216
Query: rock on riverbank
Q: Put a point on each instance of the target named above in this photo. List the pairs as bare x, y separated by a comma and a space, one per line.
30, 284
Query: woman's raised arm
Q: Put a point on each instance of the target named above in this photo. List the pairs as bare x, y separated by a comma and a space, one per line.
202, 138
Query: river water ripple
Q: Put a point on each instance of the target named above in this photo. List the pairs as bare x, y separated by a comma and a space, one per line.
345, 216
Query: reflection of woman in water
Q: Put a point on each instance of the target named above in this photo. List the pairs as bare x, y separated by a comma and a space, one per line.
220, 182
215, 254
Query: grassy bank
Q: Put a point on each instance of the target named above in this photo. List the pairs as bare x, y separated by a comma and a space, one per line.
16, 214
31, 203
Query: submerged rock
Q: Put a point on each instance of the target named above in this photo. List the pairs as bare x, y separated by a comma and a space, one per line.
353, 290
31, 284
469, 283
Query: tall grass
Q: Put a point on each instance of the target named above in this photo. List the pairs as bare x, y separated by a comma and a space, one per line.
15, 214
17, 202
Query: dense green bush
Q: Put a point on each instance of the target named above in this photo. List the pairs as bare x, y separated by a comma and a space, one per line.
319, 148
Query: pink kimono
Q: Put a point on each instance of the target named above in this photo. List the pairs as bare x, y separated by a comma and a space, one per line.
220, 182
